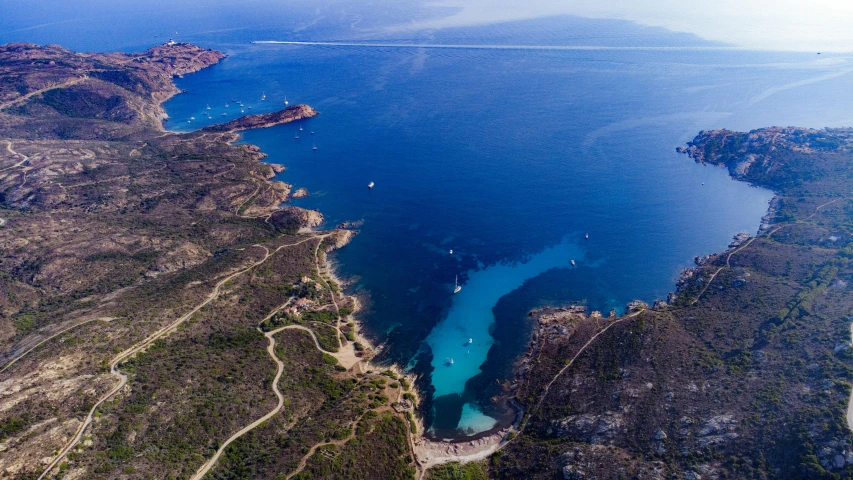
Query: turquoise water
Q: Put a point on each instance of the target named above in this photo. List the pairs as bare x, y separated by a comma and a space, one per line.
470, 316
507, 157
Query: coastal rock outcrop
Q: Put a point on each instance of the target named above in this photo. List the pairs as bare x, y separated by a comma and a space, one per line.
589, 428
340, 238
291, 218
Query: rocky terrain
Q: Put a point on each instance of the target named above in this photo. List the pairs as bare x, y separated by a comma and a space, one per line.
744, 373
265, 120
139, 273
162, 315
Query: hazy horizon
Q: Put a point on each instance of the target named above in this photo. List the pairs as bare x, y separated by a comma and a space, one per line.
822, 25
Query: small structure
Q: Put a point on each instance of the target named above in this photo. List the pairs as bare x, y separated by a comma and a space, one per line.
302, 303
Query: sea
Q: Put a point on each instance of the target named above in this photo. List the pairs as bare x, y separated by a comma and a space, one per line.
530, 162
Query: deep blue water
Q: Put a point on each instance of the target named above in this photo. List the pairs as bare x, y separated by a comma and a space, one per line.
507, 157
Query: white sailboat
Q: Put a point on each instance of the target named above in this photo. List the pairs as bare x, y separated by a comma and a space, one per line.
285, 100
470, 341
208, 106
573, 263
314, 147
370, 185
458, 287
263, 96
451, 251
300, 127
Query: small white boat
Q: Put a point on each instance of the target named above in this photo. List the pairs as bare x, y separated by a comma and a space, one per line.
249, 108
370, 185
458, 287
223, 114
226, 105
208, 106
449, 361
470, 341
312, 133
263, 96
451, 251
586, 236
285, 100
241, 110
192, 118
297, 137
573, 263
300, 128
314, 147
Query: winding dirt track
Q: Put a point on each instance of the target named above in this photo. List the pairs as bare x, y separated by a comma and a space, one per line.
150, 340
13, 152
729, 257
280, 369
22, 98
571, 362
304, 460
15, 359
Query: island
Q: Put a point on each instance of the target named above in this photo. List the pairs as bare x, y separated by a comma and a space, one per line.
264, 120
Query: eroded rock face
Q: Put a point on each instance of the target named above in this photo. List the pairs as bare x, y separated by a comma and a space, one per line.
185, 256
294, 218
717, 429
595, 429
299, 193
341, 238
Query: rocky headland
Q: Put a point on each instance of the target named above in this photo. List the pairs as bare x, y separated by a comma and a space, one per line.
292, 113
748, 359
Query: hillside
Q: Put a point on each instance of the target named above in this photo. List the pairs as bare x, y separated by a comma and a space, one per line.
159, 305
746, 374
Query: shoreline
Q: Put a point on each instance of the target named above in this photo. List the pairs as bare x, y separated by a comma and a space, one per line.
231, 129
430, 452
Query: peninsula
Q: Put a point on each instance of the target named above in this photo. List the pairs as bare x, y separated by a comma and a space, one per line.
264, 120
744, 372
